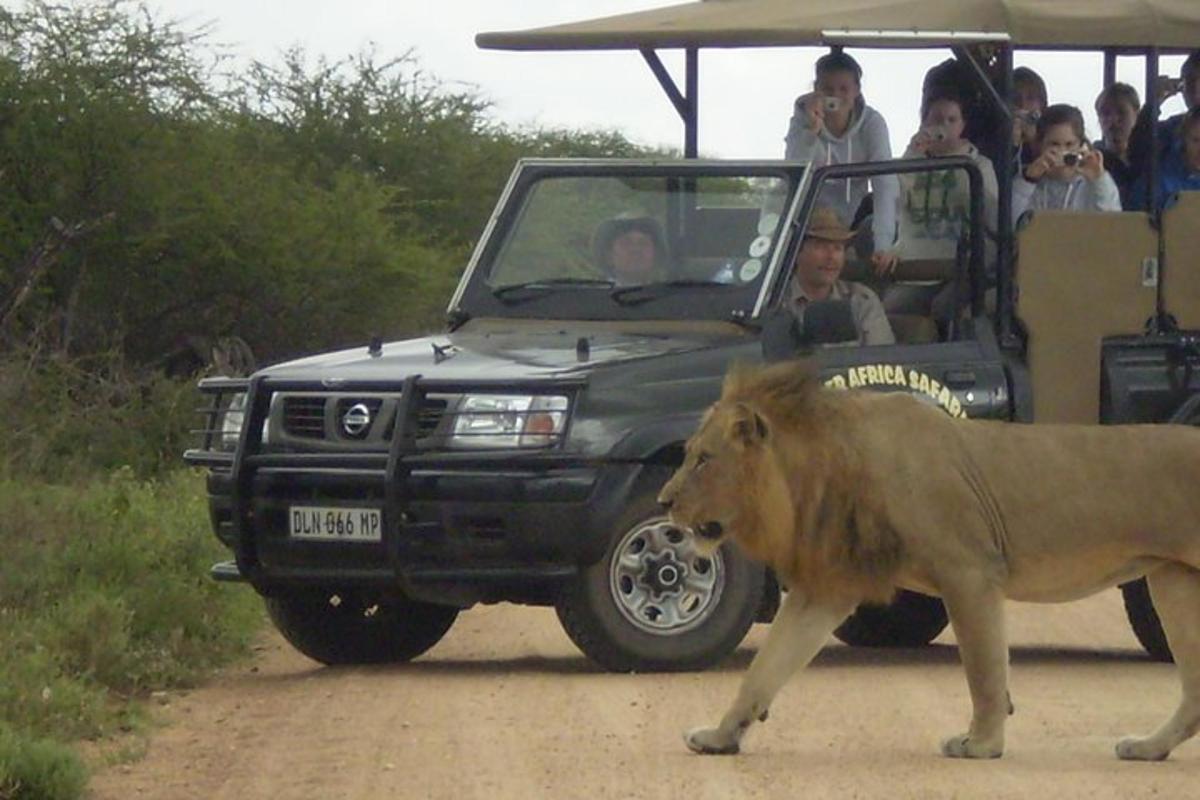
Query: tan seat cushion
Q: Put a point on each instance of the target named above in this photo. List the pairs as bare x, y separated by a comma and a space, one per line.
913, 328
1181, 274
1079, 279
913, 269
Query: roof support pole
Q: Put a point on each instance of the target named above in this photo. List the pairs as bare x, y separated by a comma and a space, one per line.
1152, 111
685, 102
982, 79
1005, 268
1161, 323
1110, 67
691, 132
999, 97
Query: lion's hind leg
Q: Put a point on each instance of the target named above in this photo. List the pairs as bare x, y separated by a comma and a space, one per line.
1175, 589
800, 630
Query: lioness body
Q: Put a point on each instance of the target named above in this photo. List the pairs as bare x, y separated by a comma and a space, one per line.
851, 495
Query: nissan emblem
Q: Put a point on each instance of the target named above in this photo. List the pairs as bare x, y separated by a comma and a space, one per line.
356, 421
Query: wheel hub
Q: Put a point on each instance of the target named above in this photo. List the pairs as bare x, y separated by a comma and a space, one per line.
660, 583
663, 575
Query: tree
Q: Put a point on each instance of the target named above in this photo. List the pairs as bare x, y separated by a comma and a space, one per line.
298, 206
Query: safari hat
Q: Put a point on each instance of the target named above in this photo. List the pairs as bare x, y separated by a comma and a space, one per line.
825, 224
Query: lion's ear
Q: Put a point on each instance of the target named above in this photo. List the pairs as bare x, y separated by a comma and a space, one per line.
747, 427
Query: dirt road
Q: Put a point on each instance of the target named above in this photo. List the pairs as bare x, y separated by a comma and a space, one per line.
505, 707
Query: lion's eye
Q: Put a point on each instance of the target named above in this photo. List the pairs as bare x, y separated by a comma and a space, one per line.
701, 460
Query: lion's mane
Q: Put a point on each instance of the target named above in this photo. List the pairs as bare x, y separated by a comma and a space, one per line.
836, 535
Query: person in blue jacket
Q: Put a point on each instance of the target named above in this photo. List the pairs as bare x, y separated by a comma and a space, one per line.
1180, 168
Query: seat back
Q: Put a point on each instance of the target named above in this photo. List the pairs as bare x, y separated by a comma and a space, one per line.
909, 328
722, 232
913, 328
1181, 276
1079, 279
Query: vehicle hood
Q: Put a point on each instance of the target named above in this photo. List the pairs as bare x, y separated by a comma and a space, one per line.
503, 351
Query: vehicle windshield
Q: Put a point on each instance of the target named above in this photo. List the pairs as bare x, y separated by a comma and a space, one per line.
613, 243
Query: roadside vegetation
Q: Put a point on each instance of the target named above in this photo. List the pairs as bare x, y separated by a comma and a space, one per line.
156, 199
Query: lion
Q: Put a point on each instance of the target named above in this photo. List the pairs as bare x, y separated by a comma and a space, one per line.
851, 495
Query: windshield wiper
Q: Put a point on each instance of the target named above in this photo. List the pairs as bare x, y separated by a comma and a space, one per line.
540, 288
645, 292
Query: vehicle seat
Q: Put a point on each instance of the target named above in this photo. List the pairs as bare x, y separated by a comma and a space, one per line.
909, 328
718, 237
913, 328
1181, 278
1079, 277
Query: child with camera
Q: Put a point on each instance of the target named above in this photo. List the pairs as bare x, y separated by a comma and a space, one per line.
935, 207
1068, 174
834, 125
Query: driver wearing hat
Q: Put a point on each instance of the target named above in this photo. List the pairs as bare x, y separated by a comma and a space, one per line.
816, 277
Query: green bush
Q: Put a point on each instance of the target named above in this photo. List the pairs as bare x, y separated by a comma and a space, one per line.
72, 418
148, 202
38, 769
147, 198
104, 596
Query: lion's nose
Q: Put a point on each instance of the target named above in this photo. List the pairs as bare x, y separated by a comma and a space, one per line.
665, 502
710, 530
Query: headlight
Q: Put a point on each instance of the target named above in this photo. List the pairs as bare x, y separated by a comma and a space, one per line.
508, 420
231, 421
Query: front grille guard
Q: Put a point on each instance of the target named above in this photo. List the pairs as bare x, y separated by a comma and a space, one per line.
404, 454
213, 451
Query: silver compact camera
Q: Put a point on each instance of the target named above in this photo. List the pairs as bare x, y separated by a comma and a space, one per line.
938, 133
1072, 158
831, 103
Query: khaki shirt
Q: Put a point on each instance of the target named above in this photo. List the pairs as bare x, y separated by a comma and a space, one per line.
869, 317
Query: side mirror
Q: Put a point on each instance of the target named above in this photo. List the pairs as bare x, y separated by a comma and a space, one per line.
828, 322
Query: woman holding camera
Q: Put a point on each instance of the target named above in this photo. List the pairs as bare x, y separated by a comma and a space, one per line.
1029, 101
834, 125
1068, 175
935, 207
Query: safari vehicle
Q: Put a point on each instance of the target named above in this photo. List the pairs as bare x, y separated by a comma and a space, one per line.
371, 494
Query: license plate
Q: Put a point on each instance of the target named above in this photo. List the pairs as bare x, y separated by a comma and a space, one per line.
328, 524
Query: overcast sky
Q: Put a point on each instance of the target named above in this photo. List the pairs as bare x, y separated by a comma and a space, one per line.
745, 95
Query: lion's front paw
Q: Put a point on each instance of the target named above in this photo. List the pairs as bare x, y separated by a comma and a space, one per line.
711, 741
965, 746
1134, 749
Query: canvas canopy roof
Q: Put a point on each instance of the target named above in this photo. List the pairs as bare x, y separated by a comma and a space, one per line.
1167, 24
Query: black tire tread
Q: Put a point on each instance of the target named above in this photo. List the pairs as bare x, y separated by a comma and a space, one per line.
399, 631
911, 620
1139, 608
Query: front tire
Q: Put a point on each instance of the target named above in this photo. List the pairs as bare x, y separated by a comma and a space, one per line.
1147, 627
910, 620
351, 628
652, 604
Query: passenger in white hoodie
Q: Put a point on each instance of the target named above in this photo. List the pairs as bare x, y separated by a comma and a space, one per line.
1068, 175
834, 125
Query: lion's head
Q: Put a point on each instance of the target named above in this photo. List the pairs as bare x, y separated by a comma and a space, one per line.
732, 481
709, 494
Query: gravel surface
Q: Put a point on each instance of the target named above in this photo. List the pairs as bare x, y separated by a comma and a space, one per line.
505, 707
